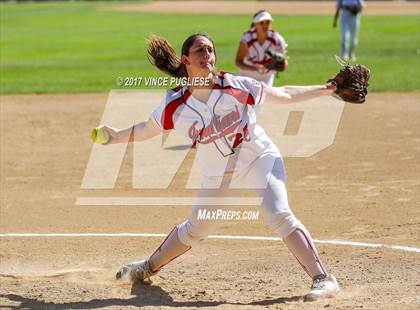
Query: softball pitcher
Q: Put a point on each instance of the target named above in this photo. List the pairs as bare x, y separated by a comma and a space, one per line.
256, 47
220, 121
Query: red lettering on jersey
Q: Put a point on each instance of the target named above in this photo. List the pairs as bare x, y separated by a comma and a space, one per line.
261, 62
240, 137
193, 132
216, 129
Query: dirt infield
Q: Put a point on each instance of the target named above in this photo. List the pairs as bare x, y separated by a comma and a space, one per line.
364, 188
275, 7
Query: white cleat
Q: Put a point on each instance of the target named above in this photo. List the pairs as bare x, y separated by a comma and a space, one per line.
137, 272
323, 288
345, 57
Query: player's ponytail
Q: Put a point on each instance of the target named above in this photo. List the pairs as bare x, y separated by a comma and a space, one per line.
163, 56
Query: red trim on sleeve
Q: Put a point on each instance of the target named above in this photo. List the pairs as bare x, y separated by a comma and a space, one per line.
249, 43
240, 95
272, 41
168, 112
273, 37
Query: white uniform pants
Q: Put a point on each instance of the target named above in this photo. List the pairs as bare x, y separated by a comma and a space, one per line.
266, 175
350, 24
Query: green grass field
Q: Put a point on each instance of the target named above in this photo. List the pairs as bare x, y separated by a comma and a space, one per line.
72, 47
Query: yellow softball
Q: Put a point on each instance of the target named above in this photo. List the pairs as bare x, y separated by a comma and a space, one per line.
100, 136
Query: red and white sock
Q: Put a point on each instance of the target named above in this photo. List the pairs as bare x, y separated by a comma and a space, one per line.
170, 249
301, 245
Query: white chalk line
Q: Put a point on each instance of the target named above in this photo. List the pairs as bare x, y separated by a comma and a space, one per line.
167, 201
225, 237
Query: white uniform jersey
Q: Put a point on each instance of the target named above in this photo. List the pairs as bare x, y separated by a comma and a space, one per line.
224, 128
257, 53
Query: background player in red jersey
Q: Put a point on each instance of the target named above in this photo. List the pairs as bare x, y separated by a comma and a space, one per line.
256, 48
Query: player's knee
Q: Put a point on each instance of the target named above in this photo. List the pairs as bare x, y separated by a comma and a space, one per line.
284, 223
189, 234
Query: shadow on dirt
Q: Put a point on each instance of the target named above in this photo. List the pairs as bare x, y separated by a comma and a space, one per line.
145, 295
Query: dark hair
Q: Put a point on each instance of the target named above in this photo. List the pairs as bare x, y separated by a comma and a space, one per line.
260, 11
163, 56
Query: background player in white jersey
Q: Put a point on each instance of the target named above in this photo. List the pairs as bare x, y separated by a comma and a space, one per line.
255, 48
220, 121
351, 12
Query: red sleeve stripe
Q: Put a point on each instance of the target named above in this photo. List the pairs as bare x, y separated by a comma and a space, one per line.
272, 41
240, 95
249, 43
168, 113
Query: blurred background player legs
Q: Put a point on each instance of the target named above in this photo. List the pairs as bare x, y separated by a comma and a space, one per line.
350, 24
351, 12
